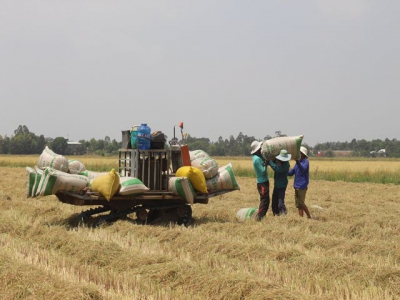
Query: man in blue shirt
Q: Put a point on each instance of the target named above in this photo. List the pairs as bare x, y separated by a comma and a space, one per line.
301, 179
260, 169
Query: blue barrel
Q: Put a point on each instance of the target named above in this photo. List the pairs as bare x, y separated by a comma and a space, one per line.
143, 137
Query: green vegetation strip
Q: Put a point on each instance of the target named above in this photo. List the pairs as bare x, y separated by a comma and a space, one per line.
384, 177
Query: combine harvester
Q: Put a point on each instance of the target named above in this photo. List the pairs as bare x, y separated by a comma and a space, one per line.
154, 167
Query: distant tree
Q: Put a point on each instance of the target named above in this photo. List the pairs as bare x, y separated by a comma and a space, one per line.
24, 142
22, 129
59, 145
329, 153
41, 143
4, 144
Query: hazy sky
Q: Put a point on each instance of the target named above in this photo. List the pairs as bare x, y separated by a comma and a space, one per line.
88, 69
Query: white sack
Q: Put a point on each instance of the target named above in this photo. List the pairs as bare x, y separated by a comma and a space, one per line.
271, 148
182, 186
207, 165
55, 181
50, 159
131, 186
224, 180
197, 154
75, 166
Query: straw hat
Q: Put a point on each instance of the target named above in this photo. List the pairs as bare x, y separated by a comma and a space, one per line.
255, 146
304, 150
284, 155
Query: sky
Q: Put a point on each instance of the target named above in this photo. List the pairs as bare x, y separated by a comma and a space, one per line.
82, 69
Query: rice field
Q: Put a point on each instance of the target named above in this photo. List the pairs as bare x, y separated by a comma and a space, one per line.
348, 250
382, 170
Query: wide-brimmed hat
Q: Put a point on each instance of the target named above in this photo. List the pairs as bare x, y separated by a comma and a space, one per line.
304, 150
284, 155
255, 146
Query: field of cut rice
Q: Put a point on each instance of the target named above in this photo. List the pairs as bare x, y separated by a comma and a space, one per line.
348, 250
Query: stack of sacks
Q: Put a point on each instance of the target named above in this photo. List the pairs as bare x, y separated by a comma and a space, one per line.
50, 181
55, 173
271, 148
217, 178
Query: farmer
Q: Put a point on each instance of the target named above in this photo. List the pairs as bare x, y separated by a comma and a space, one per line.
301, 172
260, 169
281, 168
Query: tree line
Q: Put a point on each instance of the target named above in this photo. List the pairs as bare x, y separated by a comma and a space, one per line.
25, 142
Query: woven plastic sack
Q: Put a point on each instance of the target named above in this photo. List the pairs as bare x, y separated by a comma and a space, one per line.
92, 174
197, 154
207, 165
107, 184
131, 186
224, 180
30, 181
50, 159
38, 181
247, 213
181, 186
75, 166
271, 148
53, 181
195, 176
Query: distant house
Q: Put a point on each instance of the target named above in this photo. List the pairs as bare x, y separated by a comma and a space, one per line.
381, 153
75, 148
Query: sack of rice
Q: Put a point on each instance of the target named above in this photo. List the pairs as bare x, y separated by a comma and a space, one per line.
50, 159
53, 181
207, 165
246, 213
271, 148
107, 184
224, 180
92, 174
38, 178
195, 176
131, 186
197, 154
30, 182
75, 166
181, 186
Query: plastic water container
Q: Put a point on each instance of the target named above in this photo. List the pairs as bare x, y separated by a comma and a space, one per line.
143, 137
246, 213
134, 133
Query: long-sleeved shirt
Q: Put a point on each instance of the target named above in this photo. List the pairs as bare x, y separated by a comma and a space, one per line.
280, 173
301, 172
260, 168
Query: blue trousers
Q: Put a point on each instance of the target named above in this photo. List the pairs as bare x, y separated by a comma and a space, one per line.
278, 201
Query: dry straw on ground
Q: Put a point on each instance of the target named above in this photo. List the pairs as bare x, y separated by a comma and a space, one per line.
349, 250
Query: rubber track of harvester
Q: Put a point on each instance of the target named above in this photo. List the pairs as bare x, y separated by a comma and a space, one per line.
115, 215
